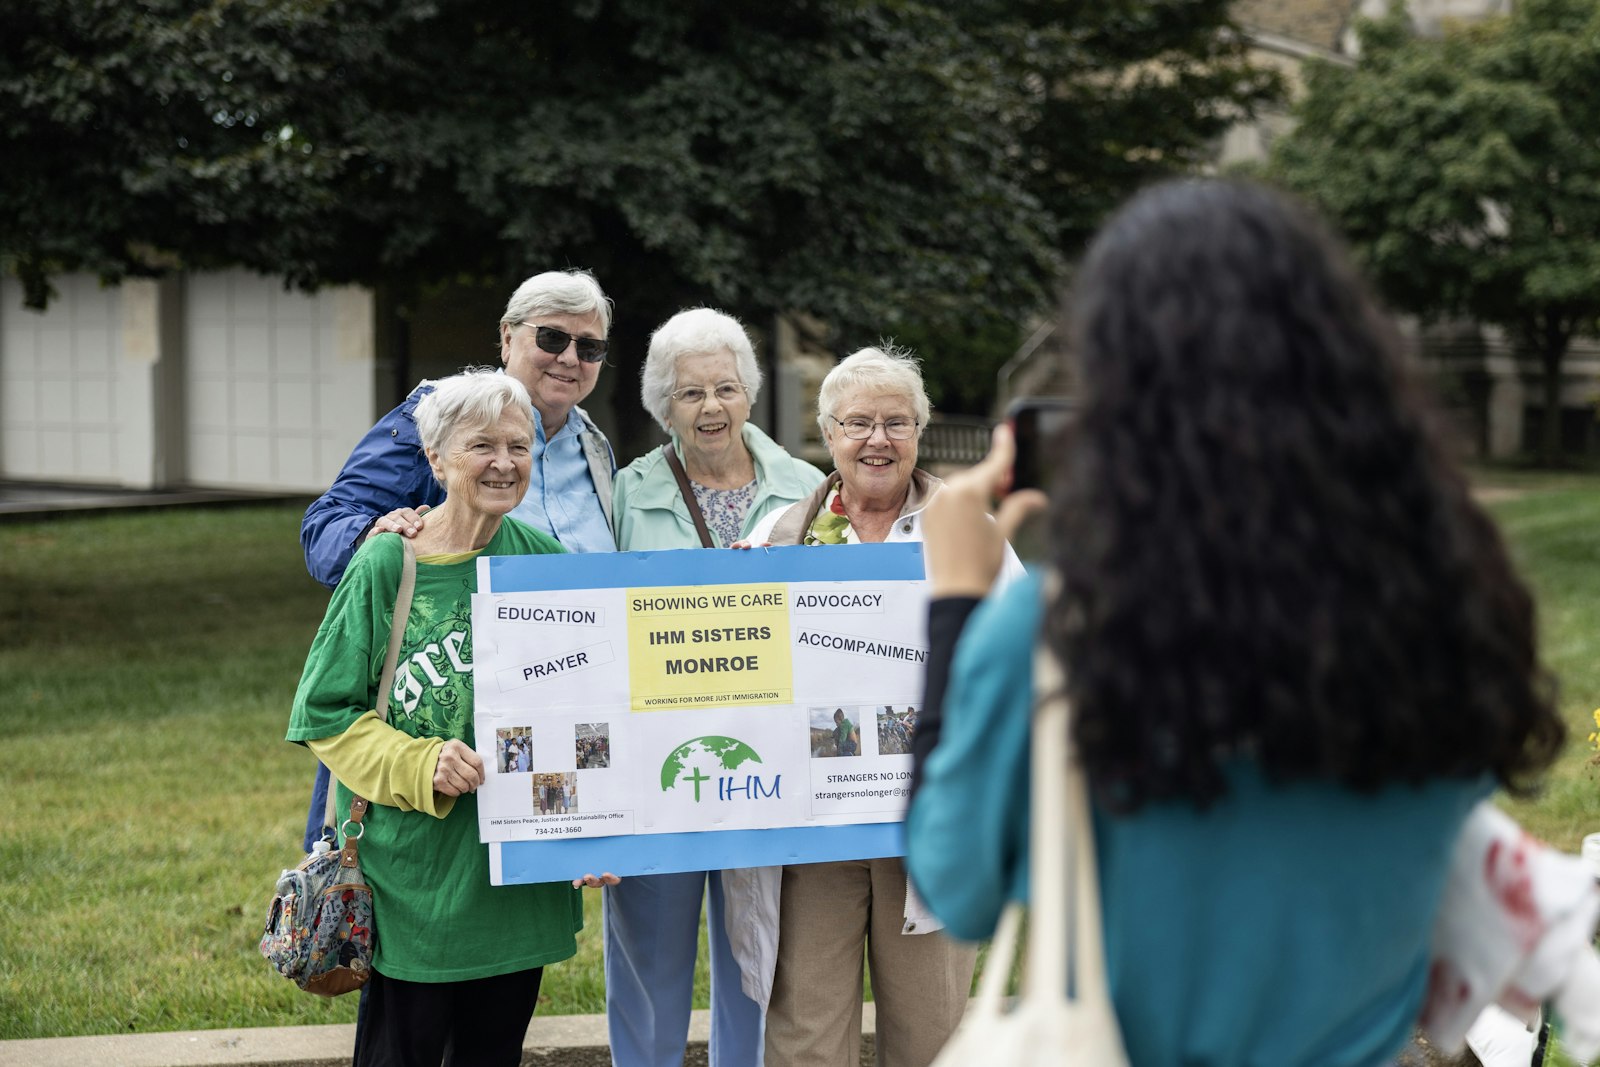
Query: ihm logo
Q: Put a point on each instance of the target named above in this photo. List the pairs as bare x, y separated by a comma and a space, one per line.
690, 762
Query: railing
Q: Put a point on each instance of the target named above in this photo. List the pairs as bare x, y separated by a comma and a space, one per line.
958, 440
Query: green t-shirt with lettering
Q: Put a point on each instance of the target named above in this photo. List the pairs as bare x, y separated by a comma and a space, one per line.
437, 916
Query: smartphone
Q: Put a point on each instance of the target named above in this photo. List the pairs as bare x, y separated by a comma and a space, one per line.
1036, 426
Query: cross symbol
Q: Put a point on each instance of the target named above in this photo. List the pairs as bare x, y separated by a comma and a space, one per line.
697, 778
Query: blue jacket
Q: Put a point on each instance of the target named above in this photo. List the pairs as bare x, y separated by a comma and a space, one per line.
388, 470
1284, 926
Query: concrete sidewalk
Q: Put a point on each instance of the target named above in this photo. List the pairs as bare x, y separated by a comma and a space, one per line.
552, 1041
33, 500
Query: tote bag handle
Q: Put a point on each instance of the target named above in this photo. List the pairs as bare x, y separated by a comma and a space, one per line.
1047, 1027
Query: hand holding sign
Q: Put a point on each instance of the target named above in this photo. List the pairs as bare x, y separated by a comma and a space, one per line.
460, 770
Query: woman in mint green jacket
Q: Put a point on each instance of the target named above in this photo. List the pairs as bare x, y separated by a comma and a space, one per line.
699, 382
651, 513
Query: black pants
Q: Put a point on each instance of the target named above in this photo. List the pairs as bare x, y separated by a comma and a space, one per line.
457, 1024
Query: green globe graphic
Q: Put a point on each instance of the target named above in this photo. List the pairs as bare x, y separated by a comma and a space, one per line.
729, 753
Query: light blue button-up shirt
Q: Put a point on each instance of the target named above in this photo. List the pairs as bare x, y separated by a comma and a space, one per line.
561, 498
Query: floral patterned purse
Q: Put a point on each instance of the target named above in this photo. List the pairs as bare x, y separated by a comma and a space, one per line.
320, 932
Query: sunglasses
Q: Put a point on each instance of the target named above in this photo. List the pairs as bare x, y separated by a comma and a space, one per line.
555, 342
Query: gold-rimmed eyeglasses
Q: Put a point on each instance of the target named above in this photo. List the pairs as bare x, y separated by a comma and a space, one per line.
860, 429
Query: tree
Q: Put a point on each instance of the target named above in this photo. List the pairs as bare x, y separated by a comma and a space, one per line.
871, 162
1465, 171
1114, 95
140, 137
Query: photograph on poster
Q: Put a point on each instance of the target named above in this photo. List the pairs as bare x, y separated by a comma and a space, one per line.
514, 746
835, 731
593, 745
555, 792
896, 728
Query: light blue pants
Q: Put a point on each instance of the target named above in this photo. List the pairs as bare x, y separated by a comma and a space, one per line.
652, 935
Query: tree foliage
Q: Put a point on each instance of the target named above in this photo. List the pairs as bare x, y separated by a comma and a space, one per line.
872, 162
1111, 96
144, 136
1466, 172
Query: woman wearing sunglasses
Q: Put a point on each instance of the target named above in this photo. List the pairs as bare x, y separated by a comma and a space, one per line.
708, 487
553, 341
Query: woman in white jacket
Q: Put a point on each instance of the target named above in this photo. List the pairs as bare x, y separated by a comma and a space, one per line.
872, 409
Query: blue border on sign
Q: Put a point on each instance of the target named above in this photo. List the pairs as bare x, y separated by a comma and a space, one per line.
901, 561
711, 850
547, 861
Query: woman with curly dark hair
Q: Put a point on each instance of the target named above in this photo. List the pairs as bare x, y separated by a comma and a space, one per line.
1296, 652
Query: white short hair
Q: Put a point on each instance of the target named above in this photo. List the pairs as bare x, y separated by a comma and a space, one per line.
471, 400
691, 333
559, 292
885, 369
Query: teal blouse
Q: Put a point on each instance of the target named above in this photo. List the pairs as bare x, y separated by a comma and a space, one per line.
1286, 926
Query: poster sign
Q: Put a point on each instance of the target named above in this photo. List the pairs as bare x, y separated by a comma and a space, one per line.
690, 710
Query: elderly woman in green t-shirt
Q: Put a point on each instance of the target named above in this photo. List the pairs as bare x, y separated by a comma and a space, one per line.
458, 963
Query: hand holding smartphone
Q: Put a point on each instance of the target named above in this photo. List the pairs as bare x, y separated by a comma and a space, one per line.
1036, 425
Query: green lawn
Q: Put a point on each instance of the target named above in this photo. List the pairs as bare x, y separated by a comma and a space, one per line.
147, 661
1554, 535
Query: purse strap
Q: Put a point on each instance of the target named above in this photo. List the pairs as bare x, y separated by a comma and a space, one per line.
397, 625
391, 661
688, 495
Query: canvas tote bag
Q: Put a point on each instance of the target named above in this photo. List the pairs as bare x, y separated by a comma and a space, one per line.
1045, 1027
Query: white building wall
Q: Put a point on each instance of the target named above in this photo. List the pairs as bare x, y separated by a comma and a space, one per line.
278, 385
61, 416
220, 380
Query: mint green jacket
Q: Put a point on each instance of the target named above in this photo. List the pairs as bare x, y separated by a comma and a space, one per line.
650, 513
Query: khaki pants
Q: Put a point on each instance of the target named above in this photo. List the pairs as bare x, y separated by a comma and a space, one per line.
920, 982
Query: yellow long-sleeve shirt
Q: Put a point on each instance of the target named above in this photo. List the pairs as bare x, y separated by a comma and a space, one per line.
386, 766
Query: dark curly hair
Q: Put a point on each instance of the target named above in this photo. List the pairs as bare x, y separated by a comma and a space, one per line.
1265, 549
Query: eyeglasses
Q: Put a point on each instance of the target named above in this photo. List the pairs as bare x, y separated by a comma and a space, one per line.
727, 393
555, 342
861, 429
